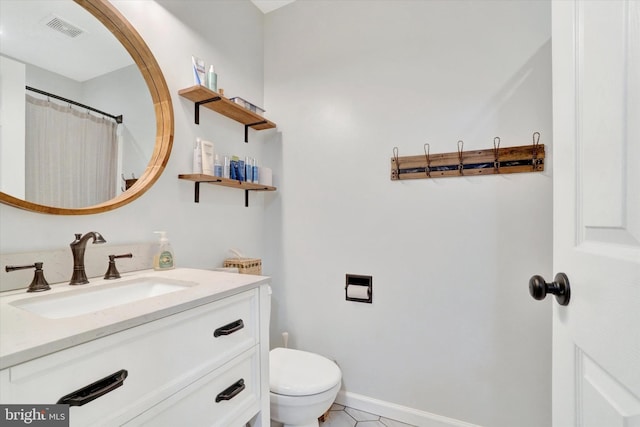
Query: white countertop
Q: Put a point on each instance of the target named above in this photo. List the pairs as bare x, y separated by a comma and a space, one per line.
25, 335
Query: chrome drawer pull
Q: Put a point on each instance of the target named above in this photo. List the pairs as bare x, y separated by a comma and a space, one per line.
229, 329
94, 390
231, 391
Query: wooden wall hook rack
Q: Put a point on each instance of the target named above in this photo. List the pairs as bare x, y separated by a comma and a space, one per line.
525, 158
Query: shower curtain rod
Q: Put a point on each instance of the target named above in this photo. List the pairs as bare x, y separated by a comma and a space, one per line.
118, 119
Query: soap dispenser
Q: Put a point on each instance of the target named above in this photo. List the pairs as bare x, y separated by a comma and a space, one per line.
163, 257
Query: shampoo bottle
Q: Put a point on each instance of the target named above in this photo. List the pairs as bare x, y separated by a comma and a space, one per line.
255, 172
163, 258
248, 170
217, 166
226, 168
212, 79
240, 176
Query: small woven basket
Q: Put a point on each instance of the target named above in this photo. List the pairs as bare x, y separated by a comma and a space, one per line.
245, 265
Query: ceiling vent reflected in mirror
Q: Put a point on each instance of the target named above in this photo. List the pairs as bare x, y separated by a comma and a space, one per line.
63, 26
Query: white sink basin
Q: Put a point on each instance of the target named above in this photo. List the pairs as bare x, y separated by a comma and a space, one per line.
93, 299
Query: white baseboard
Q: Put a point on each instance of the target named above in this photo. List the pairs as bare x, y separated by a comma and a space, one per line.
397, 412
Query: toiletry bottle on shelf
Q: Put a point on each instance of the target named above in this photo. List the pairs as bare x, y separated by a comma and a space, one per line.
248, 169
255, 171
240, 173
199, 71
234, 173
217, 166
226, 171
212, 79
207, 157
163, 257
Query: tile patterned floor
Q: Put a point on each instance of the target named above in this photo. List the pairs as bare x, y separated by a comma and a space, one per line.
341, 416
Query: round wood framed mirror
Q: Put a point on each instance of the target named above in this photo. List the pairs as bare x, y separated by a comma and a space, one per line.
126, 34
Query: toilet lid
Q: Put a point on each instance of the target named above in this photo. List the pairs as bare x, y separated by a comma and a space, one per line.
300, 373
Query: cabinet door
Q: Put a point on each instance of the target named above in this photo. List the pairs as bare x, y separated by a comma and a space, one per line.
160, 358
226, 397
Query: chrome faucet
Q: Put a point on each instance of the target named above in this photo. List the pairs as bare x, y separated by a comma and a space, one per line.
78, 246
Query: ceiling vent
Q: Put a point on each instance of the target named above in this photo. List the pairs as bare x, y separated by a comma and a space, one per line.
64, 27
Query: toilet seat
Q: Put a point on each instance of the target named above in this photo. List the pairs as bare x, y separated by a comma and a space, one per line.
300, 373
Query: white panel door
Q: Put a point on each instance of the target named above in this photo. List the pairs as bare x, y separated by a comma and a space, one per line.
596, 168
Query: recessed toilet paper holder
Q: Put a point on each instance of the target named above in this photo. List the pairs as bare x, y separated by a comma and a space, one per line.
359, 288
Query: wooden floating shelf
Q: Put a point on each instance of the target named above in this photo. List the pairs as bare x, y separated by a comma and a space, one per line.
526, 158
225, 182
207, 98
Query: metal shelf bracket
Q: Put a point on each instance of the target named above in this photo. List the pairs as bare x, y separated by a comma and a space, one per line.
196, 193
199, 103
247, 126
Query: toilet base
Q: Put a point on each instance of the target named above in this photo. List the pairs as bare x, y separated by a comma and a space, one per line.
301, 411
312, 424
277, 424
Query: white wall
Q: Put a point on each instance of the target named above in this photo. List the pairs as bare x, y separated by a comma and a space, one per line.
48, 81
452, 330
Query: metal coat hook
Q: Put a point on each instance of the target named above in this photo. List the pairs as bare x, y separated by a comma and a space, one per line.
395, 158
426, 154
460, 165
535, 146
128, 182
496, 151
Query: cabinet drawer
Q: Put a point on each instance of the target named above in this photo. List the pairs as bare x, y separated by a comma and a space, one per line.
160, 358
226, 397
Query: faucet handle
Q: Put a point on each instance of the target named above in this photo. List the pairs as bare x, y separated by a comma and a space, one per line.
112, 271
39, 283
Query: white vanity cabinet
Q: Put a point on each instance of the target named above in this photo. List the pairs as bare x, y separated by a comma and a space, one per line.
205, 366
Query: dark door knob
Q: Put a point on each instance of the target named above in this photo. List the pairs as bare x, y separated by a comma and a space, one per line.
539, 289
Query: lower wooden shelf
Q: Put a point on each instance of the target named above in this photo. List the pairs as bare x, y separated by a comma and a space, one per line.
197, 178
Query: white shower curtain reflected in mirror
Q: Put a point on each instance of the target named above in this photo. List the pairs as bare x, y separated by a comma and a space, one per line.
71, 155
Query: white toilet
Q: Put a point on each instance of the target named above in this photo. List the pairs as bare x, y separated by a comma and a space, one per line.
303, 386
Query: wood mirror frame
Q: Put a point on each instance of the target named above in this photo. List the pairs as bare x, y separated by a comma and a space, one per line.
111, 18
